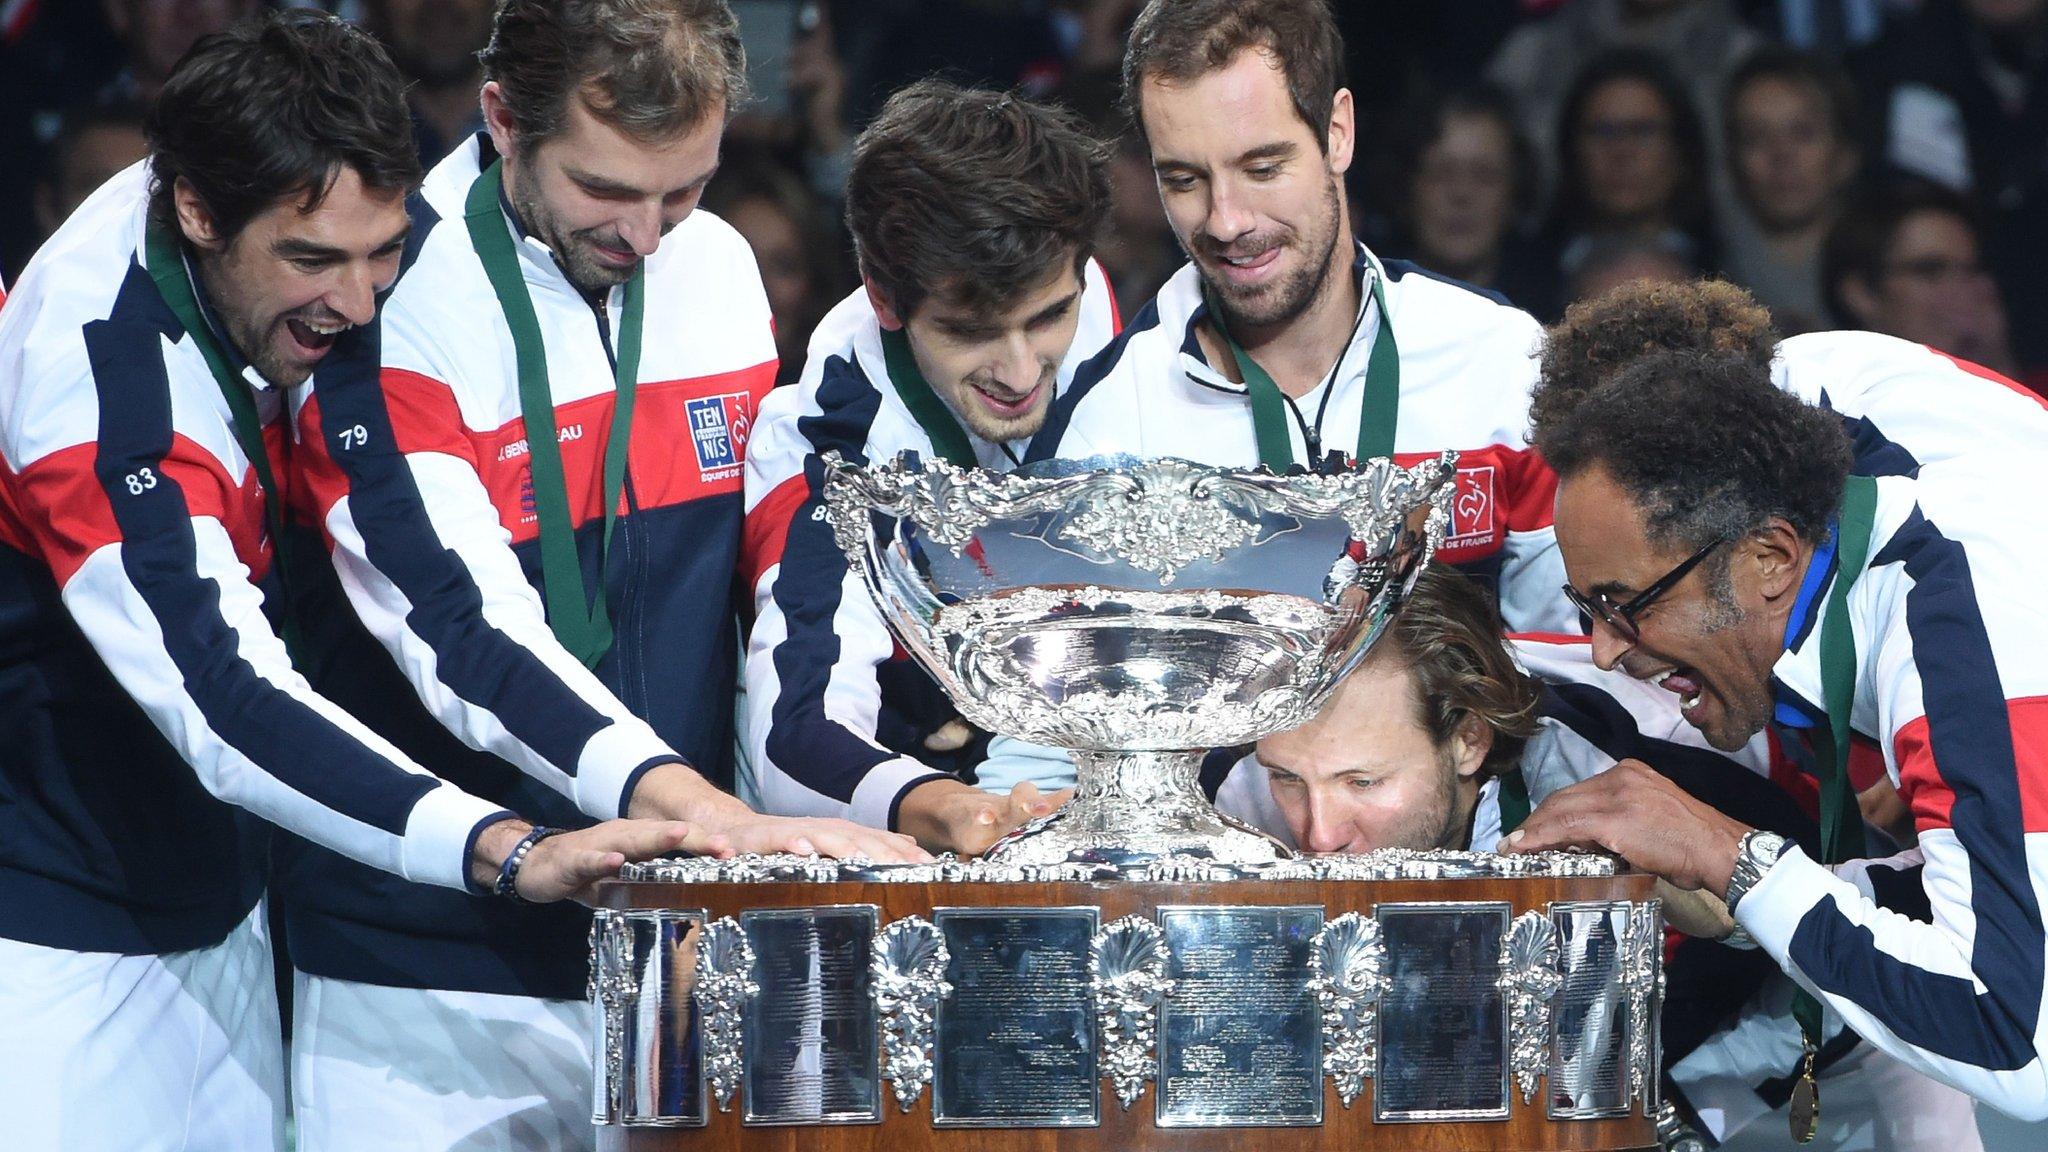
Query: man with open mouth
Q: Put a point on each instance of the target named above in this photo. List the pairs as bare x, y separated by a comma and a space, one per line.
531, 489
1445, 737
1840, 535
150, 715
1283, 341
975, 216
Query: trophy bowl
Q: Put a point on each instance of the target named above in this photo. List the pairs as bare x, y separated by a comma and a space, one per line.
1137, 613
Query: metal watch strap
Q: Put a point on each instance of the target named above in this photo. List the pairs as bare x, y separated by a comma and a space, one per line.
1753, 857
508, 872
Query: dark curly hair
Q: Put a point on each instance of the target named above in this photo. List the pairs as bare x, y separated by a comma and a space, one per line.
1448, 636
972, 193
278, 105
1599, 337
1709, 447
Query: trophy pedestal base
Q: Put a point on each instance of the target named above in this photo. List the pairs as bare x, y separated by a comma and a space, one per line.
1132, 808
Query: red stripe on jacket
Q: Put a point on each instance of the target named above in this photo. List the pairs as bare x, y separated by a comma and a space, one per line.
60, 511
1931, 799
1500, 490
689, 443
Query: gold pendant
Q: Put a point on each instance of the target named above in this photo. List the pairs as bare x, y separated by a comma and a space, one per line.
1805, 1112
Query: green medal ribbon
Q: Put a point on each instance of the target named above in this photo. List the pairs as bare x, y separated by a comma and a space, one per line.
930, 412
579, 619
1841, 820
1514, 799
174, 284
1378, 411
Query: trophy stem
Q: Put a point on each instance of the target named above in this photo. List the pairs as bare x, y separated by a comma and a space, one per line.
1134, 807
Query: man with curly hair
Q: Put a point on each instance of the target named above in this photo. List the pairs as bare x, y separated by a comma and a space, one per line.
1450, 731
1836, 539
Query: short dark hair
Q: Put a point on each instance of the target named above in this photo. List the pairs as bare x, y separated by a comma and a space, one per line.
972, 193
1860, 242
1573, 208
1793, 66
1705, 443
278, 105
1448, 636
1598, 338
653, 69
1179, 40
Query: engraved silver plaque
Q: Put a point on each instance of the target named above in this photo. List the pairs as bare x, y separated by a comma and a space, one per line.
1015, 1044
811, 1053
650, 1072
1443, 1051
1589, 1038
1240, 1037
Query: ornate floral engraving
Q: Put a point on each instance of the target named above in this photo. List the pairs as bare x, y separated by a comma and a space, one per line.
725, 982
1127, 964
1528, 980
1382, 864
613, 986
1641, 974
909, 981
1348, 970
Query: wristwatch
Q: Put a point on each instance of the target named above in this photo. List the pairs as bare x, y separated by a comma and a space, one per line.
1753, 857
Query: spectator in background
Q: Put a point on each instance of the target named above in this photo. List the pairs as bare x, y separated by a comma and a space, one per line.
1611, 260
1958, 94
1791, 157
783, 223
157, 33
1703, 41
434, 43
1904, 260
1633, 162
1139, 253
94, 142
1466, 179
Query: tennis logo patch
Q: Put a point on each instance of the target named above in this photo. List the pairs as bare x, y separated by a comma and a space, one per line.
1472, 507
718, 429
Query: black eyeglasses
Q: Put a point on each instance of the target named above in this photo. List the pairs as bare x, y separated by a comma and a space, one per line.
1622, 617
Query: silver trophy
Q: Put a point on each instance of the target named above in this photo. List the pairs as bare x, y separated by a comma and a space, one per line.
1137, 614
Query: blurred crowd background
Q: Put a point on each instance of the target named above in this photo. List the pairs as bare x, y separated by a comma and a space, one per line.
1876, 164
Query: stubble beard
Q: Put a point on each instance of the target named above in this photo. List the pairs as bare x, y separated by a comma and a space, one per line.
1292, 297
572, 253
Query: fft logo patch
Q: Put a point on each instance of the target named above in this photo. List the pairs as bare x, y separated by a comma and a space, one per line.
1472, 515
718, 430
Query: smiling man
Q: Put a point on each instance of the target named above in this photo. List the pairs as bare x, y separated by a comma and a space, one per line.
149, 713
531, 493
1835, 539
1283, 340
975, 215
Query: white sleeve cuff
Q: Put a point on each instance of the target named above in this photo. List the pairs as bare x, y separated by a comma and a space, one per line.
1770, 912
610, 759
874, 799
438, 836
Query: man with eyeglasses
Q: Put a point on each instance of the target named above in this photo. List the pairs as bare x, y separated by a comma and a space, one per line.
1835, 534
1447, 733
